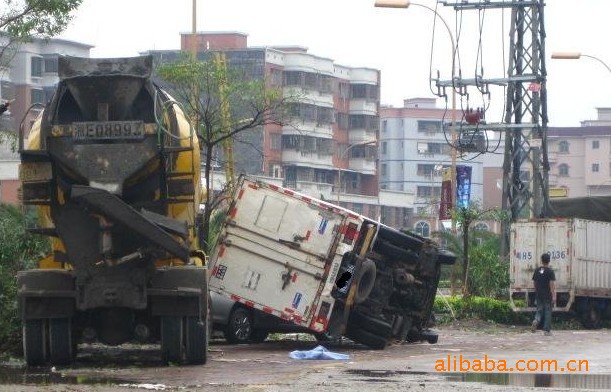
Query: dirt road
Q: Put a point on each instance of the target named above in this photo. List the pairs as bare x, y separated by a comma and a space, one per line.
267, 366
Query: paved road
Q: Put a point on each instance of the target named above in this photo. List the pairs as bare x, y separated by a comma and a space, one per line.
267, 367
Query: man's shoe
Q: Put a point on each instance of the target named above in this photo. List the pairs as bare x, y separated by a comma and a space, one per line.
533, 326
547, 333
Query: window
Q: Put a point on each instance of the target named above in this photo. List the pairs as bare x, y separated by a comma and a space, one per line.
343, 120
595, 167
36, 68
563, 146
384, 125
383, 169
51, 65
563, 170
383, 147
422, 228
275, 140
428, 126
37, 96
595, 144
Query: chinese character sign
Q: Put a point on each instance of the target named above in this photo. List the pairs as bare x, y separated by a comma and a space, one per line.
463, 186
445, 205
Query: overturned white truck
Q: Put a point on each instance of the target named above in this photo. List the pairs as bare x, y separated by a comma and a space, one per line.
325, 268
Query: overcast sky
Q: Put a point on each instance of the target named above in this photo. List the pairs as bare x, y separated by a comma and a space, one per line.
398, 42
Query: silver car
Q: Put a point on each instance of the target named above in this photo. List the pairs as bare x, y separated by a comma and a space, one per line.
240, 324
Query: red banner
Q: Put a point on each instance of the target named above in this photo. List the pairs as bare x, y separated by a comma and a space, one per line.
446, 202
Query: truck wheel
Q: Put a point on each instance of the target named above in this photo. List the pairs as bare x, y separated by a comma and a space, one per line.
239, 326
370, 324
60, 341
591, 316
196, 341
34, 342
369, 339
171, 339
366, 281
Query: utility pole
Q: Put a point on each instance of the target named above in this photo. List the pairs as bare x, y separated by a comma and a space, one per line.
526, 165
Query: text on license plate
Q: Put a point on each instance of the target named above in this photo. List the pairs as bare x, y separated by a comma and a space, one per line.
105, 130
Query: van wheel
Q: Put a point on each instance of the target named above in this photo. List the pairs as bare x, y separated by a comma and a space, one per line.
239, 326
366, 281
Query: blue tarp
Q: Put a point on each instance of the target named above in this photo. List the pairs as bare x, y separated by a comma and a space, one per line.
317, 353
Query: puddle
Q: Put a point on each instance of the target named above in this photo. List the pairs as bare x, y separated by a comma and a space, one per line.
540, 380
45, 376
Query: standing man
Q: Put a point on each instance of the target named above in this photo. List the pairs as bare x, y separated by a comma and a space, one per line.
545, 293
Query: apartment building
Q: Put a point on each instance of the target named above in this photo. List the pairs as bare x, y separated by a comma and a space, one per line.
415, 150
329, 150
30, 79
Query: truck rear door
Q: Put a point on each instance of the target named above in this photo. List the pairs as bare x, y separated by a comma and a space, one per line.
279, 252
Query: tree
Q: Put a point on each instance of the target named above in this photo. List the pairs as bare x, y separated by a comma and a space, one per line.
22, 19
464, 218
223, 102
19, 250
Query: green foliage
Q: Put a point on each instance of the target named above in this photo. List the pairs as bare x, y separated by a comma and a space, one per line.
19, 250
482, 308
226, 104
45, 18
488, 274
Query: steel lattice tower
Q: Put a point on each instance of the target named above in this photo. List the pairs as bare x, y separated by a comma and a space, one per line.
526, 166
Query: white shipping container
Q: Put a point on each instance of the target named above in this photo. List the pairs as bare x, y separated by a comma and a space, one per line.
580, 253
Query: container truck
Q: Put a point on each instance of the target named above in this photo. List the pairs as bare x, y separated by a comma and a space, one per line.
580, 252
325, 268
112, 168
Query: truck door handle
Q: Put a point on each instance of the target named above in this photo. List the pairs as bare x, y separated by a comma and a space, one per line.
291, 244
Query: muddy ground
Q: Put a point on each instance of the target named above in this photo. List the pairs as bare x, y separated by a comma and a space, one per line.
267, 366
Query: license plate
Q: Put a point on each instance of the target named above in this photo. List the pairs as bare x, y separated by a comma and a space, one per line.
108, 130
35, 171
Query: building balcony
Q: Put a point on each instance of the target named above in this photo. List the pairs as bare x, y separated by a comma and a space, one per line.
360, 135
363, 165
363, 106
307, 158
311, 96
309, 128
315, 189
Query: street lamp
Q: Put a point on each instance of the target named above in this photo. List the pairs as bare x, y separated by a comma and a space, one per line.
406, 4
577, 56
341, 156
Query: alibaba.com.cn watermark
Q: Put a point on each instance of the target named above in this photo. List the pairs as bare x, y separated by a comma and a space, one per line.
457, 363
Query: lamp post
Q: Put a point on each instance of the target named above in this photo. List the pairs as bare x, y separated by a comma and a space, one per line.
341, 156
577, 56
406, 4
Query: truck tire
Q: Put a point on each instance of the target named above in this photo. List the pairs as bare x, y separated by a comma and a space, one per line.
35, 342
369, 339
196, 342
60, 341
591, 316
395, 252
366, 281
370, 324
171, 339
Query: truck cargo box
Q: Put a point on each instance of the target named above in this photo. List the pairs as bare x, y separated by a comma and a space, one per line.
580, 252
324, 267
